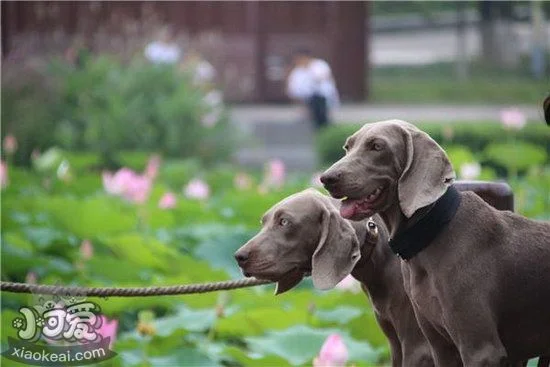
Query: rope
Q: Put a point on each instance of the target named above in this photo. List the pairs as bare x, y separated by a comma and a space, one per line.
131, 292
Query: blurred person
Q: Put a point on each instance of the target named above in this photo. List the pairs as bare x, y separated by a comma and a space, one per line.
311, 82
164, 50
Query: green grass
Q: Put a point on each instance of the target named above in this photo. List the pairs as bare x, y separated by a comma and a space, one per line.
438, 84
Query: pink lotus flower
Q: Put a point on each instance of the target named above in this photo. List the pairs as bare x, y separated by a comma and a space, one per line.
333, 353
128, 184
276, 172
242, 181
86, 250
152, 168
10, 144
512, 118
3, 174
168, 201
350, 284
197, 189
108, 329
138, 189
115, 184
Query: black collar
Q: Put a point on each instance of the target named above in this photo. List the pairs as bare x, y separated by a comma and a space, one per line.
410, 241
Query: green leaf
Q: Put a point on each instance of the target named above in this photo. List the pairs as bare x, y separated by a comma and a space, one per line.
141, 251
255, 359
516, 155
259, 320
300, 344
183, 357
340, 315
89, 217
219, 244
186, 318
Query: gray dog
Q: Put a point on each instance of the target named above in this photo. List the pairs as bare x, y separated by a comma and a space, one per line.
478, 278
305, 234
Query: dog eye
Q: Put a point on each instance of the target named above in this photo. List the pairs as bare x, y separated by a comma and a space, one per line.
377, 146
283, 222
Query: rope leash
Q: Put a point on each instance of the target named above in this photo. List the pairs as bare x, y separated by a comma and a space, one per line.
130, 292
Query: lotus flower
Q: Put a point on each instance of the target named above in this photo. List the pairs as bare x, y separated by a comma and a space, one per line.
512, 118
276, 172
349, 283
10, 144
128, 184
333, 353
3, 174
242, 181
197, 189
138, 189
86, 250
108, 329
167, 201
152, 168
470, 171
115, 184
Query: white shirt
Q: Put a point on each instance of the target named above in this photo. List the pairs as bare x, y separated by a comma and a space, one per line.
162, 53
315, 78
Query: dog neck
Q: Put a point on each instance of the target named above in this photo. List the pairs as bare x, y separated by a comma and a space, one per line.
410, 236
378, 269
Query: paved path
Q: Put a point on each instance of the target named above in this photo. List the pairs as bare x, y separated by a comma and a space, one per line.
280, 131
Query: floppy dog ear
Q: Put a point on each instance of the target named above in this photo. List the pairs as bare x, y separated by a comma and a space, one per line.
427, 173
337, 251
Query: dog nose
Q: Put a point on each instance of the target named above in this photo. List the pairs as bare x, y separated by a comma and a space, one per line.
330, 178
241, 257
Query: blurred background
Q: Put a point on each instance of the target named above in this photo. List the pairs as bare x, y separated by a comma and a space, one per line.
142, 141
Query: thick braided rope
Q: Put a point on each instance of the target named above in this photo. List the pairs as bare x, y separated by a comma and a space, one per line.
131, 292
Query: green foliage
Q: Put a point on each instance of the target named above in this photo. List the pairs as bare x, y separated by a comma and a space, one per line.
516, 156
106, 106
437, 83
27, 111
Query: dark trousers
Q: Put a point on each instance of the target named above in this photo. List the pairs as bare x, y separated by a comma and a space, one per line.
318, 109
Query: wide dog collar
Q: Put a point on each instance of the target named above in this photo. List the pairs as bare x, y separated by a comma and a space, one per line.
409, 242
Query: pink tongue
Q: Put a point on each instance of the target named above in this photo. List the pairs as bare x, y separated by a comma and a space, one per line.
348, 209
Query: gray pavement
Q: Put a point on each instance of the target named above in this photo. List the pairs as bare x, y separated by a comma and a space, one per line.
281, 131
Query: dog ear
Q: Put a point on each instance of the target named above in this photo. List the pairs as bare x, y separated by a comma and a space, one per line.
427, 173
337, 251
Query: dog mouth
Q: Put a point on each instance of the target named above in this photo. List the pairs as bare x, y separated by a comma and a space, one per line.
275, 277
360, 208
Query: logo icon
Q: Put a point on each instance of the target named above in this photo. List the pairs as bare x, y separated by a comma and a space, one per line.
59, 329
